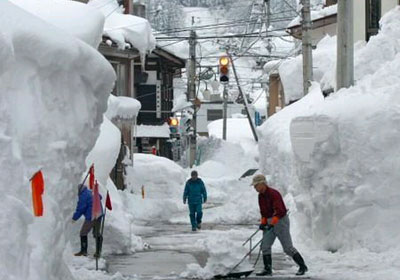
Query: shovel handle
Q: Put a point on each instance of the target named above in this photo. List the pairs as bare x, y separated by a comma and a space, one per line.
251, 236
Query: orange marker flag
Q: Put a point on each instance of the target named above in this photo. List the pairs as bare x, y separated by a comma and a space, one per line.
91, 177
37, 183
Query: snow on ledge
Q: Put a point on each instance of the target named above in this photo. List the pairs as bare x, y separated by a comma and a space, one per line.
125, 29
122, 107
153, 131
315, 15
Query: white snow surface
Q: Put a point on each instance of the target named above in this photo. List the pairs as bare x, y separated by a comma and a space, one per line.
122, 107
76, 19
153, 131
54, 90
125, 29
337, 160
315, 15
238, 132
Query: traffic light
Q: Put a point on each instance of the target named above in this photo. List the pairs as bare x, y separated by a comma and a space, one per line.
224, 69
173, 125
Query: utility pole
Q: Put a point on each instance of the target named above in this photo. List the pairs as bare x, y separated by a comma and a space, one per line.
253, 129
225, 95
268, 23
306, 45
345, 45
191, 76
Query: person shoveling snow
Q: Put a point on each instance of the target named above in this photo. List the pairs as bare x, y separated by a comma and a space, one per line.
274, 223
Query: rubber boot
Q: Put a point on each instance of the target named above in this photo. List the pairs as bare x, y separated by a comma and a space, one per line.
267, 259
300, 262
84, 246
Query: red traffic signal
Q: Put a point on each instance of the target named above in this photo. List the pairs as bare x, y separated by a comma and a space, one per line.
224, 69
173, 121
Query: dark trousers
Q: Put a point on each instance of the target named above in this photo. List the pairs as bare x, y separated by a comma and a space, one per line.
195, 213
88, 225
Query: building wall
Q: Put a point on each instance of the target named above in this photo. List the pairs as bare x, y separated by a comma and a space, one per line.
359, 20
359, 16
319, 33
387, 5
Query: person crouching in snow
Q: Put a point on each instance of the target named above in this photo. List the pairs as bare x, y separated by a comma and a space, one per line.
274, 223
84, 207
195, 193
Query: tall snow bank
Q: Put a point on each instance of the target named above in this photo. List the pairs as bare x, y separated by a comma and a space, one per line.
118, 235
341, 162
54, 90
125, 29
76, 19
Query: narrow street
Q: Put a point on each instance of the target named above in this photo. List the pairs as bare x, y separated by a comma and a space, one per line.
172, 249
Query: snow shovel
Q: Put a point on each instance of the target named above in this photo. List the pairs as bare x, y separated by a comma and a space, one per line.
239, 274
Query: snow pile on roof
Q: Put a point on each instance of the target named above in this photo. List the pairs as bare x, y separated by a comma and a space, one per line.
125, 29
54, 90
381, 49
77, 19
324, 64
315, 15
340, 160
122, 107
153, 131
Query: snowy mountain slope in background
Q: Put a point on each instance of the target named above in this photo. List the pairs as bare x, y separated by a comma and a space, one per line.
54, 90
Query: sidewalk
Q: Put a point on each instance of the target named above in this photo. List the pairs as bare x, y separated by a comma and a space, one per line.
172, 249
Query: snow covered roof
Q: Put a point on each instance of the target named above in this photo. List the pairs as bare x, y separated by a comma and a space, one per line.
315, 15
77, 19
153, 131
124, 29
122, 107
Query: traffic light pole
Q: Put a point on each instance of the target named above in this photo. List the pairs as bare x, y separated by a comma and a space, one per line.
225, 111
246, 105
191, 76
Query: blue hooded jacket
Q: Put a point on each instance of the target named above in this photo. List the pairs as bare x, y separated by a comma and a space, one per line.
195, 192
84, 206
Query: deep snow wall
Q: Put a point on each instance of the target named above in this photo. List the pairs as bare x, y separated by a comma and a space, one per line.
339, 156
53, 93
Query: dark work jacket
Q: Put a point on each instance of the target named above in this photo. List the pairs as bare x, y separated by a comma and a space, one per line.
195, 192
271, 204
84, 205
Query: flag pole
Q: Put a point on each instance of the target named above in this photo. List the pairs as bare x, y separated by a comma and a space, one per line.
99, 242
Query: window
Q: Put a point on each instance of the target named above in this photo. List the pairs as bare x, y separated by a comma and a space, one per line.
214, 114
372, 16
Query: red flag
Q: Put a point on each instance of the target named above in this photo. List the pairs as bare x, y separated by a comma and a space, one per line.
37, 184
96, 207
91, 177
108, 201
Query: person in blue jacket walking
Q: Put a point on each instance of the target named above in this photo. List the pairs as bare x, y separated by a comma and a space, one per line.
84, 207
195, 193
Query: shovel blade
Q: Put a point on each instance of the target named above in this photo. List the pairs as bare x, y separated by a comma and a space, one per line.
239, 274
